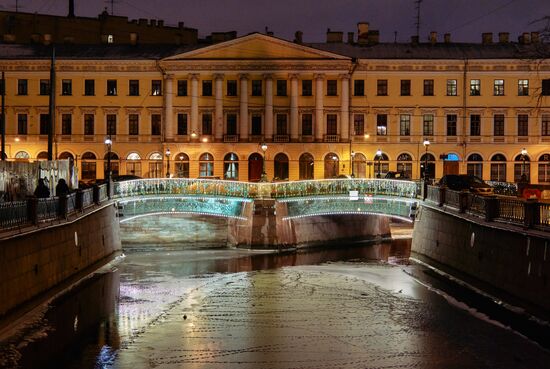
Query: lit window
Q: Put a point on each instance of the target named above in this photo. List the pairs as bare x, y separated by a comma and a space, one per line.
523, 87
452, 87
499, 87
110, 39
475, 87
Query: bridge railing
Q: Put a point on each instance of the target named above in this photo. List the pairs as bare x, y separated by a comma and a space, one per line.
208, 187
527, 213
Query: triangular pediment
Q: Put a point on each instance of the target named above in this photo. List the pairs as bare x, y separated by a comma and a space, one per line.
257, 46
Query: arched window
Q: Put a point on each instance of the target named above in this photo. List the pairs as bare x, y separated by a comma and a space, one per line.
474, 167
452, 157
43, 155
206, 165
381, 165
280, 163
255, 167
88, 165
133, 164
359, 165
113, 163
231, 167
404, 165
22, 156
429, 171
544, 168
155, 165
498, 168
182, 165
65, 155
306, 166
332, 165
522, 168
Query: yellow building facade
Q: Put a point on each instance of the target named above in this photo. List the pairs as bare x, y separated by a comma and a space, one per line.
318, 108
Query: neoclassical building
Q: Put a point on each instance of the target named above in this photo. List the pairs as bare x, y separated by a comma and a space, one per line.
322, 110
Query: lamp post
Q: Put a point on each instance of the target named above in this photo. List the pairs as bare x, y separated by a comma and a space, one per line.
523, 155
109, 144
167, 153
426, 145
352, 170
379, 155
263, 177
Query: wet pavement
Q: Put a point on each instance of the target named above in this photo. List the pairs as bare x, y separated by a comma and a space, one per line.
346, 307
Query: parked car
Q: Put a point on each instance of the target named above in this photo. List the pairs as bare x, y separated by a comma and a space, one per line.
462, 182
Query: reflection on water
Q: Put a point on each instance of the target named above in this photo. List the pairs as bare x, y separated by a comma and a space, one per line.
83, 328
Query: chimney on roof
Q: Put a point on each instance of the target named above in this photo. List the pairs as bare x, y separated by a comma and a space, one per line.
160, 23
486, 38
180, 25
334, 37
374, 37
71, 9
525, 38
447, 38
503, 37
433, 38
414, 40
153, 22
362, 33
142, 21
350, 38
535, 37
298, 37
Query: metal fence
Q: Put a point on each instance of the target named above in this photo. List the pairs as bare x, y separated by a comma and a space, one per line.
13, 214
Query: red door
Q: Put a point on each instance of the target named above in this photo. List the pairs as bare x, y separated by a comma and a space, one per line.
255, 164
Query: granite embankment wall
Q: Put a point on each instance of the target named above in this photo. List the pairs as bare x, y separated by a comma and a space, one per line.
507, 258
33, 262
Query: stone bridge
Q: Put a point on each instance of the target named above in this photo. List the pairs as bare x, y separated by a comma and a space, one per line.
282, 213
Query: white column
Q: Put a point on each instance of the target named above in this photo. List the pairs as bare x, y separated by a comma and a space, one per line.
194, 103
168, 108
218, 113
344, 112
243, 116
268, 127
319, 108
293, 107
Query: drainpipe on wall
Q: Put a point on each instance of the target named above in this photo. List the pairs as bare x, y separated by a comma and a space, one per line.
464, 90
354, 64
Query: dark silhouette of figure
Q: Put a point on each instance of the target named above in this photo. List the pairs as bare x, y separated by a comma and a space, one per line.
42, 191
62, 188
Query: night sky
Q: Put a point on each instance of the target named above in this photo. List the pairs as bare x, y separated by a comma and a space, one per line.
464, 19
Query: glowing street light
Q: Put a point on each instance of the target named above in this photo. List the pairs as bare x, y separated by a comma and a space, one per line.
167, 153
426, 145
263, 177
379, 155
523, 157
108, 144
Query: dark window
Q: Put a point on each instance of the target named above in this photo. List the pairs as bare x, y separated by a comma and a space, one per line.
66, 124
381, 124
307, 87
428, 124
475, 87
44, 87
332, 124
256, 87
182, 87
111, 124
256, 125
451, 124
498, 125
156, 87
22, 87
281, 87
231, 124
207, 124
405, 125
133, 124
405, 87
207, 88
111, 87
475, 125
182, 124
359, 87
66, 87
382, 87
44, 123
22, 124
523, 125
281, 124
545, 91
332, 87
232, 88
133, 87
428, 87
89, 87
307, 124
545, 128
89, 124
155, 124
358, 124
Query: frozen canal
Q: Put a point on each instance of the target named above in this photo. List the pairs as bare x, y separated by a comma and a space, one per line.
356, 307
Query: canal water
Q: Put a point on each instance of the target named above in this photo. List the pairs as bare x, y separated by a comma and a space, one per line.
351, 306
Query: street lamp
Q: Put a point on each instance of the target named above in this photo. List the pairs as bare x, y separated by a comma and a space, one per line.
379, 155
352, 157
523, 155
426, 145
263, 177
167, 153
109, 144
